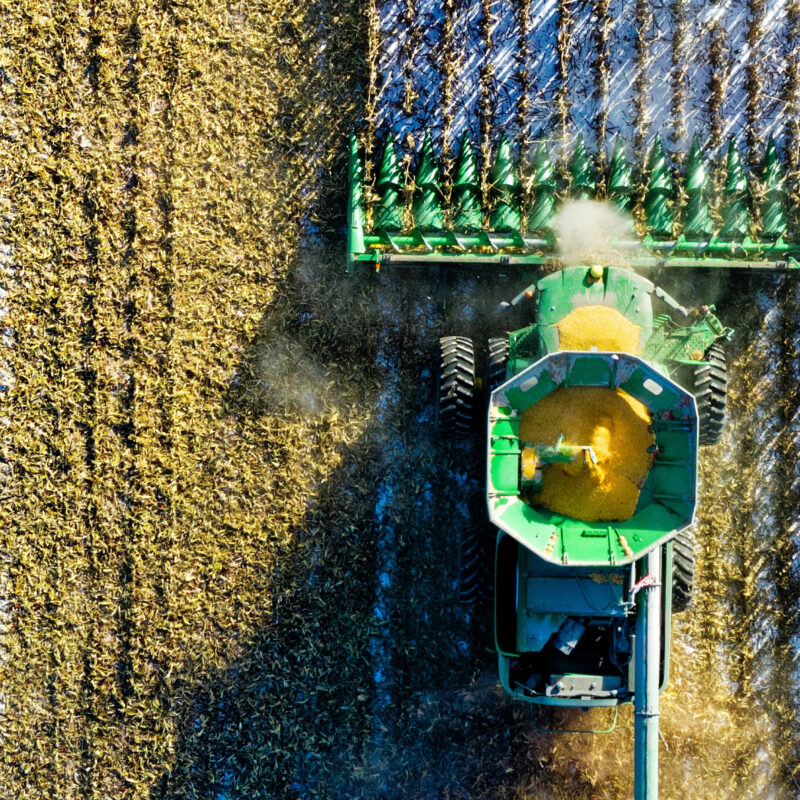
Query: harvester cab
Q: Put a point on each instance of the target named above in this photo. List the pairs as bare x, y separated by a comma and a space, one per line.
592, 412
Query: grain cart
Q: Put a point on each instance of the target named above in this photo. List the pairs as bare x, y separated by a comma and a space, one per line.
591, 415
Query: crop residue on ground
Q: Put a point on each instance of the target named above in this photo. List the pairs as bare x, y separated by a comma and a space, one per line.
206, 564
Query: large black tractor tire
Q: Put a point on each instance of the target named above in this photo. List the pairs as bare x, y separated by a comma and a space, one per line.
682, 570
455, 402
474, 585
496, 362
711, 393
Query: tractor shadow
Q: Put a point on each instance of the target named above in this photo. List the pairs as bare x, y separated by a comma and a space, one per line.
364, 678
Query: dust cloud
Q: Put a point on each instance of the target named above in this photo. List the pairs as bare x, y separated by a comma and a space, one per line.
589, 232
289, 379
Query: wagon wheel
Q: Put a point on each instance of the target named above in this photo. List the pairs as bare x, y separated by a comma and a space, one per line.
474, 584
682, 570
496, 362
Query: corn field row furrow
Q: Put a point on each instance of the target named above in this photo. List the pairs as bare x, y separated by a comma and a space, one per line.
43, 303
425, 68
448, 67
486, 107
505, 94
758, 675
104, 676
524, 59
601, 68
372, 94
790, 638
790, 97
92, 399
774, 55
564, 35
149, 172
580, 77
719, 69
543, 72
385, 524
622, 67
754, 76
698, 69
659, 37
684, 68
408, 21
641, 111
467, 48
727, 26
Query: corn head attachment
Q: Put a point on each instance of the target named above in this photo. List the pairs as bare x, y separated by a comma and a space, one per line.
508, 219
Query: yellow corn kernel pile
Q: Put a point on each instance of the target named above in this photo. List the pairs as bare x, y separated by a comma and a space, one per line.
616, 426
601, 327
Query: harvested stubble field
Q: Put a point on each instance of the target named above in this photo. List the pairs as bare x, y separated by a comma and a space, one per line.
228, 543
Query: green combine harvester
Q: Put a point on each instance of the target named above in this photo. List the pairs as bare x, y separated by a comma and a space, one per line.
592, 414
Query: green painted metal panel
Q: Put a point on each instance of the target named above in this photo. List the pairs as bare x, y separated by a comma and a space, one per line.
671, 344
666, 400
674, 448
525, 393
591, 371
504, 473
505, 445
506, 425
572, 594
534, 530
355, 205
427, 203
466, 208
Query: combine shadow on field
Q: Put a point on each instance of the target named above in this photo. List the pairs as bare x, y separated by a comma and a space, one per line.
365, 679
361, 678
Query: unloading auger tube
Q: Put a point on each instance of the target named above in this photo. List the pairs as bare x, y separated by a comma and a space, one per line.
509, 226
